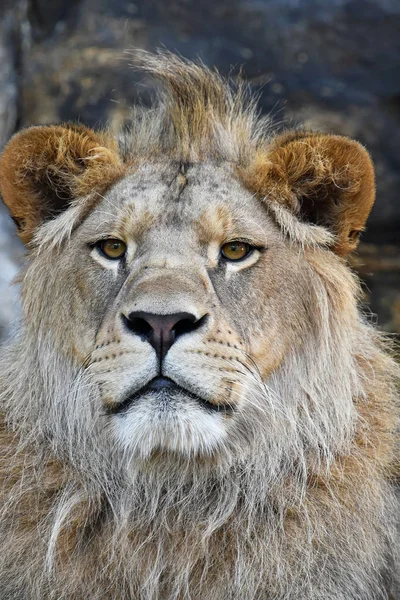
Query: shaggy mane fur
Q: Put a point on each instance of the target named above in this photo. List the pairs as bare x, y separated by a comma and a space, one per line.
198, 115
299, 504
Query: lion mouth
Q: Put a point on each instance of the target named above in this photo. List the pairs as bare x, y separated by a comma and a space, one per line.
167, 389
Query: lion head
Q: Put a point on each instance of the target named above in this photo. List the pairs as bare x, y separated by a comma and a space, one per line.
189, 319
180, 271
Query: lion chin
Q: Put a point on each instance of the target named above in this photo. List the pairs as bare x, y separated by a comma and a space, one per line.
163, 416
193, 406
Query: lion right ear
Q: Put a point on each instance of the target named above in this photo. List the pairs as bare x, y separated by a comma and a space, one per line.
44, 169
320, 179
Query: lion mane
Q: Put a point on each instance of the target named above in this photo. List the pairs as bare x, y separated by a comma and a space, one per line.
274, 476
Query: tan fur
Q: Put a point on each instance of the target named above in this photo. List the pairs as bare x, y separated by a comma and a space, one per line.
270, 474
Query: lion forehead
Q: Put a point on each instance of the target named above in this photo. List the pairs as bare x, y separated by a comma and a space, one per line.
207, 198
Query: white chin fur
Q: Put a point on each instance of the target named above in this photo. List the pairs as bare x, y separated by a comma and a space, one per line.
179, 426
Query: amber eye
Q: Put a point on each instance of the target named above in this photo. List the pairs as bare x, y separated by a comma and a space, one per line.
112, 248
236, 250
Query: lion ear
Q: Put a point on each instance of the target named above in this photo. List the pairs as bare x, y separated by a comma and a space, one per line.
44, 169
325, 180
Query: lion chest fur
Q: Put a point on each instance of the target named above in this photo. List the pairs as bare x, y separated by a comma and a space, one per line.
193, 406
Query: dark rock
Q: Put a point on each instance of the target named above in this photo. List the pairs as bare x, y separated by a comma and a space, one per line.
10, 66
379, 267
12, 16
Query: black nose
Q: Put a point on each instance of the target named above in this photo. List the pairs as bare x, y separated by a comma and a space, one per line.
161, 331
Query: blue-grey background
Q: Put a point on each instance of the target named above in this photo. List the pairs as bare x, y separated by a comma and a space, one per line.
332, 65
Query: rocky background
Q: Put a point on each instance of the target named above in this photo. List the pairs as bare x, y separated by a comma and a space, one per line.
332, 65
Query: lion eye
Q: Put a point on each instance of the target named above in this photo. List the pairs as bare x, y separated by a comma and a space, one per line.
112, 248
236, 250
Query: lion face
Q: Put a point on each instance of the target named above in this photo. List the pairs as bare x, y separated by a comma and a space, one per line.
176, 336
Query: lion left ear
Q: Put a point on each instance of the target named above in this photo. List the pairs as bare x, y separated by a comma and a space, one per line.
325, 180
43, 170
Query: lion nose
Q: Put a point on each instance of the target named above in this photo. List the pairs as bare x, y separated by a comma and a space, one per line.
161, 331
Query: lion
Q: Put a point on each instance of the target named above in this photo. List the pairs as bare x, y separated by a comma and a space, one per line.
193, 405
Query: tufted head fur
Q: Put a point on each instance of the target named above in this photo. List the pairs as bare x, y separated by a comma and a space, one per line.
177, 424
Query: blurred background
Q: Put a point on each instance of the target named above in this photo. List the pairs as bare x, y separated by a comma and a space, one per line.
332, 65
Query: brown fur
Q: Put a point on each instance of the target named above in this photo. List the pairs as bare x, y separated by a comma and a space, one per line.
325, 179
45, 168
